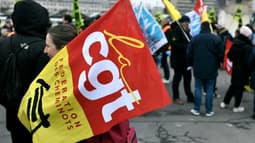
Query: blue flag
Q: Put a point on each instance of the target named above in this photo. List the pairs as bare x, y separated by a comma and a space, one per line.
194, 22
152, 31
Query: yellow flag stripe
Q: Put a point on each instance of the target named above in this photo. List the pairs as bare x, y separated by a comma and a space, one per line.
174, 13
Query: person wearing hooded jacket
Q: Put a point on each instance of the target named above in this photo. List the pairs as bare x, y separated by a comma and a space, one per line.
238, 54
251, 69
31, 22
205, 52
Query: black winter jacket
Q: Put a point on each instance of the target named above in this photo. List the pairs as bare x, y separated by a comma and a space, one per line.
251, 68
205, 53
178, 44
238, 54
30, 61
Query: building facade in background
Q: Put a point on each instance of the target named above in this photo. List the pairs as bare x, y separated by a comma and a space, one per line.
87, 7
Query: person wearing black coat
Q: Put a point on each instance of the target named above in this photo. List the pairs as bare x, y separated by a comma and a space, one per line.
251, 69
238, 54
179, 39
31, 22
205, 53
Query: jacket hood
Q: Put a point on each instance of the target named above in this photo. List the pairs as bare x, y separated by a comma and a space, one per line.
30, 18
242, 40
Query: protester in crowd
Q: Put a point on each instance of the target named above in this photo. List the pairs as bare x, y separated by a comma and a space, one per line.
238, 55
164, 52
205, 49
179, 39
67, 19
237, 32
166, 49
224, 35
247, 85
57, 37
31, 22
222, 32
251, 61
251, 69
252, 24
7, 28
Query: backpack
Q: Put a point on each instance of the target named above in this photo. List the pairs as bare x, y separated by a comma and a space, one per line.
11, 83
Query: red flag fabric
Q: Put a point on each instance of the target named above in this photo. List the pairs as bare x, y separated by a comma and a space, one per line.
102, 77
114, 75
199, 7
227, 64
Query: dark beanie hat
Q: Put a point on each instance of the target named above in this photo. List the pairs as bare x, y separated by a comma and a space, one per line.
30, 18
184, 18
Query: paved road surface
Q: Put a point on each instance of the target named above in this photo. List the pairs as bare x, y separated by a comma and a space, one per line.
175, 124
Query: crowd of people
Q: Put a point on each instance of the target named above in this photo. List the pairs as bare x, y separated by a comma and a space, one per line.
30, 22
203, 55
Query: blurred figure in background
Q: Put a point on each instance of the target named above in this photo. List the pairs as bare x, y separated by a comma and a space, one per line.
161, 56
67, 19
238, 55
7, 28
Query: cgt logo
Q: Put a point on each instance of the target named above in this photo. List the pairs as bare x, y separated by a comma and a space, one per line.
118, 82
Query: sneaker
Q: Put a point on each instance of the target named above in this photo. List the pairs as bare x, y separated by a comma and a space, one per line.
165, 81
223, 105
216, 95
178, 101
238, 109
194, 112
209, 114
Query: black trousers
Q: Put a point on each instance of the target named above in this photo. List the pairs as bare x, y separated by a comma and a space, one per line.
234, 91
178, 74
165, 66
20, 134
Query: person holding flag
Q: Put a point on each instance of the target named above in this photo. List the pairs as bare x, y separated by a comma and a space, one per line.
88, 87
179, 39
57, 37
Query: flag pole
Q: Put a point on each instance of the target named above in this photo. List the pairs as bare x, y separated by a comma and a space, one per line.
184, 33
175, 15
77, 15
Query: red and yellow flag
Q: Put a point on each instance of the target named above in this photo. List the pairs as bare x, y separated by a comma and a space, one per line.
199, 7
201, 10
227, 64
102, 77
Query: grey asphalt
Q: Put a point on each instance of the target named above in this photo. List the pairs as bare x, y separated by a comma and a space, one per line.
175, 124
